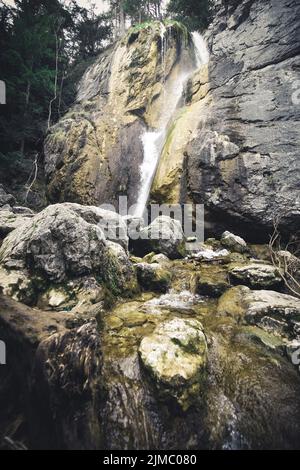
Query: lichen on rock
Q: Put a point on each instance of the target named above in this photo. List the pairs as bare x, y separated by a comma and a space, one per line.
175, 356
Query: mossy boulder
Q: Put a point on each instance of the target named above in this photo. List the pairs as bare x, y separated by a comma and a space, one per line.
234, 243
153, 277
210, 280
163, 236
57, 246
275, 312
175, 356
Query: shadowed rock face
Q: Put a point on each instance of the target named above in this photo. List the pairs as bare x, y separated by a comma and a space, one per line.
68, 389
94, 153
243, 161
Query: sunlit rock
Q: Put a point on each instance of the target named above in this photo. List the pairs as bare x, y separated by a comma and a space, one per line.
256, 275
175, 356
234, 243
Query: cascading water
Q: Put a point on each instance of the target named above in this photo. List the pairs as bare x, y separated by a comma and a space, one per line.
153, 141
152, 144
201, 51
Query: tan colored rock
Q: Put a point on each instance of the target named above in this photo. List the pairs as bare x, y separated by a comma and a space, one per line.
94, 152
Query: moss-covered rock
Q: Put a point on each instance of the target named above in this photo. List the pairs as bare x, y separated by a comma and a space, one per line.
163, 236
153, 277
210, 280
57, 246
175, 356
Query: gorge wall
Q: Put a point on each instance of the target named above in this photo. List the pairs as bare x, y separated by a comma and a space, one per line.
242, 160
233, 143
94, 154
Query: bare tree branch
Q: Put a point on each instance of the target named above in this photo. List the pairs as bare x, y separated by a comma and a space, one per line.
287, 263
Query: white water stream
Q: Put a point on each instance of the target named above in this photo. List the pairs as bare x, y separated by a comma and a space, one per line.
153, 141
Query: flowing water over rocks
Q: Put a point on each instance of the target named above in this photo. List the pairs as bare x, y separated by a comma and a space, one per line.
177, 370
161, 352
251, 394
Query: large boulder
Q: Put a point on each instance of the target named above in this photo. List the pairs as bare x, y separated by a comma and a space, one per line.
58, 245
164, 235
210, 281
175, 356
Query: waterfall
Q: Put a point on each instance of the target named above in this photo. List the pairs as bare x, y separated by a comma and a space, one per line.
153, 141
152, 144
201, 51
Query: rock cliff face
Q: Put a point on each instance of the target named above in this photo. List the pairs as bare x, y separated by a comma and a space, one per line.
233, 144
243, 161
94, 153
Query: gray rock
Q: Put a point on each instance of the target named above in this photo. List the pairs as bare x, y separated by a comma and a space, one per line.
175, 355
234, 243
243, 162
5, 198
165, 236
111, 223
207, 254
256, 275
153, 277
56, 242
272, 311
